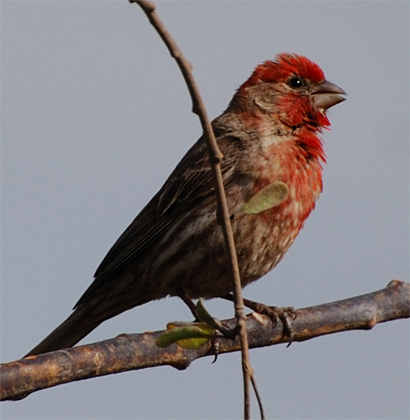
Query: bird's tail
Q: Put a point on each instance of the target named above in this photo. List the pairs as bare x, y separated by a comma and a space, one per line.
70, 332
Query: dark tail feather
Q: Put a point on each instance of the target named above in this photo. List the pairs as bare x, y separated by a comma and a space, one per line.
70, 332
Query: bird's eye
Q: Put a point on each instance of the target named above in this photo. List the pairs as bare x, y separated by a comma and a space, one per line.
296, 82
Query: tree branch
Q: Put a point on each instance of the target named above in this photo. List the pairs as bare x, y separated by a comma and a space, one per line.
139, 351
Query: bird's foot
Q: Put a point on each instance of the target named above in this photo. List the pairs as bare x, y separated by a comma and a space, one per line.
286, 315
201, 315
206, 317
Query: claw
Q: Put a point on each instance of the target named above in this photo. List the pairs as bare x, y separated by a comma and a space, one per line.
214, 349
286, 315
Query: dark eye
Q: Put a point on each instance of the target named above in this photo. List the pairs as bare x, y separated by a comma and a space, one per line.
296, 82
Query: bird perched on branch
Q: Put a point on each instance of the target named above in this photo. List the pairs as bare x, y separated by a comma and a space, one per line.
272, 172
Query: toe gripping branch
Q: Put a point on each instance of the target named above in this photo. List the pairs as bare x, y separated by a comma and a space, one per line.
286, 315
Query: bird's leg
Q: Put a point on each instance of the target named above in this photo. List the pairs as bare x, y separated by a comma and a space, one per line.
286, 315
191, 305
215, 322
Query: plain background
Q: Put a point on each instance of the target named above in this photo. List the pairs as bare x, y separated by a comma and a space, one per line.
95, 115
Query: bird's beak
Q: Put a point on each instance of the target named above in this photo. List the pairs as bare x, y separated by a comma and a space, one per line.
327, 94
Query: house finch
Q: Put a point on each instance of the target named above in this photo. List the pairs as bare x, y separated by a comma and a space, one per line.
272, 171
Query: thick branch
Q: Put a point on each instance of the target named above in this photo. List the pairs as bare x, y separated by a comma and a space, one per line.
139, 351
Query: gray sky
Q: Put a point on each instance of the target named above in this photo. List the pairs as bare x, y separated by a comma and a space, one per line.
95, 115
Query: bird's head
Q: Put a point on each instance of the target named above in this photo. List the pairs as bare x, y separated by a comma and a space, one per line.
291, 88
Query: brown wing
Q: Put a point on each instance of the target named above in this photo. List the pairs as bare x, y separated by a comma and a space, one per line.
188, 185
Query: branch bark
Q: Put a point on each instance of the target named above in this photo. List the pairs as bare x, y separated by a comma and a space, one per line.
127, 352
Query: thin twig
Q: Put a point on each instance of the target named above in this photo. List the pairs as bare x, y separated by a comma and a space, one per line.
215, 158
258, 397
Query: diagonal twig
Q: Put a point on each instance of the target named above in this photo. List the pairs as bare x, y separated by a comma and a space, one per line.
215, 158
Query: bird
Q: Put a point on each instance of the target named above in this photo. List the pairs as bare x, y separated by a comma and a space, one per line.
273, 156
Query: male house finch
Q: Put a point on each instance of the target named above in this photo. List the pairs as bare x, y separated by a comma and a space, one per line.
272, 171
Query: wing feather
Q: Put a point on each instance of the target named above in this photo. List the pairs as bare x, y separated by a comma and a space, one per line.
188, 185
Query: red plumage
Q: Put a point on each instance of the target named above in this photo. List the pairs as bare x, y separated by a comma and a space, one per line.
272, 171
